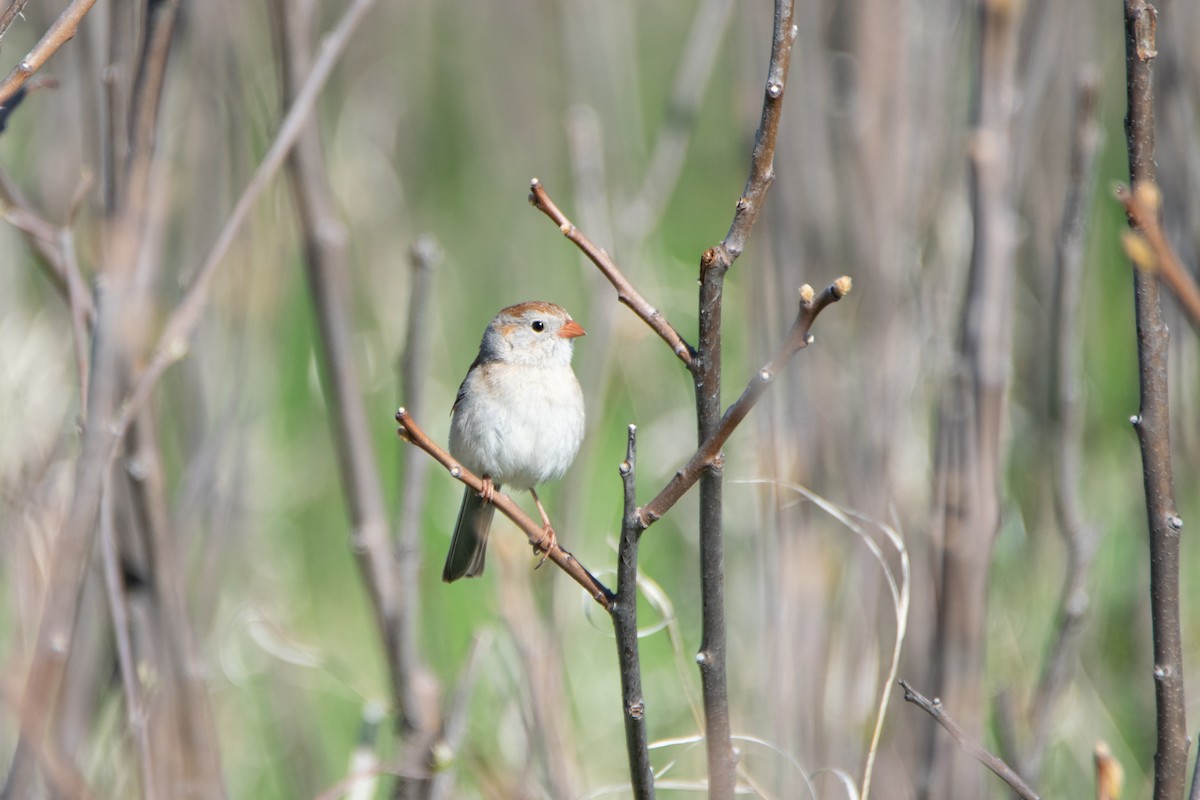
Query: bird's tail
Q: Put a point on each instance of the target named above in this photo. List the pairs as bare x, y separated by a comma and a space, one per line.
469, 544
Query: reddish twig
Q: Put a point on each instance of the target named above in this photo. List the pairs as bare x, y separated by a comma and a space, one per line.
1149, 250
61, 32
411, 433
626, 293
979, 752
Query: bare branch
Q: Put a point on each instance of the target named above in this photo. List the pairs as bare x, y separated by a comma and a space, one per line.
61, 32
798, 338
1153, 427
625, 628
411, 433
762, 160
979, 752
626, 292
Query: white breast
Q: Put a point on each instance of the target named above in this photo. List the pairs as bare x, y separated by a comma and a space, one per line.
519, 425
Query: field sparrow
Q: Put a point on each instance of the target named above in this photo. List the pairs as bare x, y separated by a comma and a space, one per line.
517, 420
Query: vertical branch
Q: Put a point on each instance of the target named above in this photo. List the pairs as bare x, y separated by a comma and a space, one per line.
135, 708
625, 626
711, 658
417, 727
327, 269
1078, 537
969, 457
1152, 424
706, 376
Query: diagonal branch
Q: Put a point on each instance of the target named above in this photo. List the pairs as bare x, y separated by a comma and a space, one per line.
626, 292
410, 432
61, 32
798, 338
172, 343
979, 752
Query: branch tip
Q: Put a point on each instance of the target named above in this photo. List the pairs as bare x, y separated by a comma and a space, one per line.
806, 294
842, 286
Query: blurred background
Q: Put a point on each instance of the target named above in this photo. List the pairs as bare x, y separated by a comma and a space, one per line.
639, 119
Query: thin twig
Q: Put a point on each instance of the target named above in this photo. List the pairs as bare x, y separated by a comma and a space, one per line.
411, 433
44, 238
626, 293
61, 32
1160, 258
762, 158
1153, 427
798, 338
625, 629
10, 15
975, 749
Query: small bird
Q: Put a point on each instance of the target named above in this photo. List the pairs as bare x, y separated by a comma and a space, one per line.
517, 420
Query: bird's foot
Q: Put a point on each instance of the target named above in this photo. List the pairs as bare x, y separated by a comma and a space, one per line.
549, 542
488, 492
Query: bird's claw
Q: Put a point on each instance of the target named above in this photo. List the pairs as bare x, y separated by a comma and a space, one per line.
548, 543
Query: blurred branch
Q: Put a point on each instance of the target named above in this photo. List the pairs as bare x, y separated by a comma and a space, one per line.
970, 447
55, 248
327, 269
173, 341
1147, 247
135, 707
798, 338
411, 433
967, 743
625, 629
454, 726
59, 33
1066, 414
1153, 426
417, 725
626, 293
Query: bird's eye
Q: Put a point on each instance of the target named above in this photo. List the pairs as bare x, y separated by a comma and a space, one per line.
538, 325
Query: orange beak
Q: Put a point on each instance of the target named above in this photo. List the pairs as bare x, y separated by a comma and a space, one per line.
571, 330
